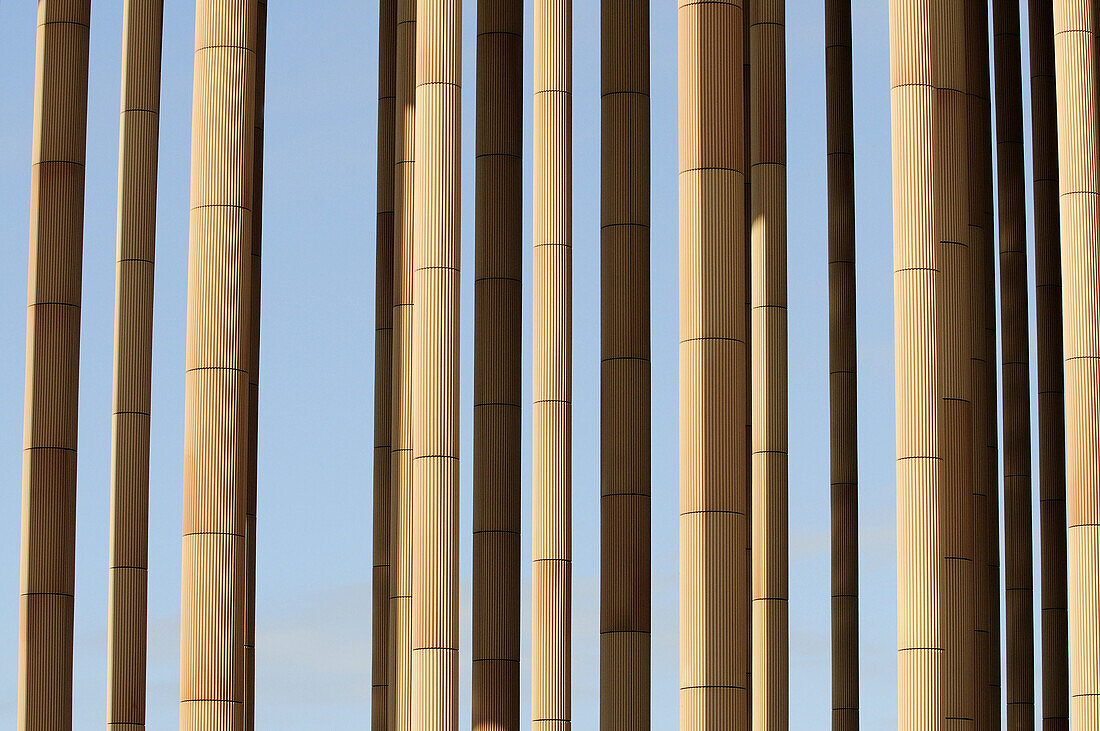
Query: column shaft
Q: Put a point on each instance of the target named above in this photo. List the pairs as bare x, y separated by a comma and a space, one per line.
47, 553
498, 324
713, 466
218, 350
746, 80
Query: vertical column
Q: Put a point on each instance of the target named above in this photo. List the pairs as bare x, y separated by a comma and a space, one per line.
1048, 334
435, 367
625, 369
137, 208
917, 372
713, 468
1076, 68
383, 365
746, 77
218, 347
842, 365
53, 344
399, 662
498, 303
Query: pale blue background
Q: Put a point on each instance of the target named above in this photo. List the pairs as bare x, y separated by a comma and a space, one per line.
317, 362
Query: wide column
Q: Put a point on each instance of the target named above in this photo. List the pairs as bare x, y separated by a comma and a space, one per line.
47, 554
625, 604
713, 453
844, 464
552, 387
137, 210
1076, 61
383, 365
215, 479
435, 394
1048, 336
498, 324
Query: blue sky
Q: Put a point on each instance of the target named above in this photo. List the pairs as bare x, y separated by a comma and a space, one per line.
317, 361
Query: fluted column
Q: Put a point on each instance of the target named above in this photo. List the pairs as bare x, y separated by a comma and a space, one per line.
746, 76
137, 207
383, 365
1078, 126
498, 303
218, 348
399, 661
625, 369
435, 392
47, 554
1048, 336
842, 365
713, 468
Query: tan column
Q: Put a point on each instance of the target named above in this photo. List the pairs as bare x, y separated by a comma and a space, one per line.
137, 209
1048, 335
53, 344
916, 295
625, 369
842, 365
218, 345
399, 662
498, 303
746, 76
1076, 68
713, 469
435, 393
383, 365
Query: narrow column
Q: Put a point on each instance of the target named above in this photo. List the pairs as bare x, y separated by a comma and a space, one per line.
916, 297
625, 369
713, 467
746, 80
842, 365
383, 365
1048, 335
137, 220
435, 394
399, 662
1076, 68
498, 303
47, 554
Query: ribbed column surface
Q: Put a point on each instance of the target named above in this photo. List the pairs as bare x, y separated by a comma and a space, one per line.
746, 80
1075, 55
1048, 337
625, 605
216, 442
844, 462
399, 662
498, 330
383, 365
714, 624
552, 388
435, 371
47, 556
137, 208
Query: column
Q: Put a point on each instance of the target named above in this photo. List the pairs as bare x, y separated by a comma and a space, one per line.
137, 220
47, 551
713, 469
746, 76
498, 344
435, 394
625, 369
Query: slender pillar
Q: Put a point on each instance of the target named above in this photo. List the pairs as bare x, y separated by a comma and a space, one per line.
137, 219
53, 345
842, 365
1048, 335
218, 348
383, 365
399, 662
435, 393
498, 318
1076, 62
746, 76
625, 369
916, 299
713, 468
